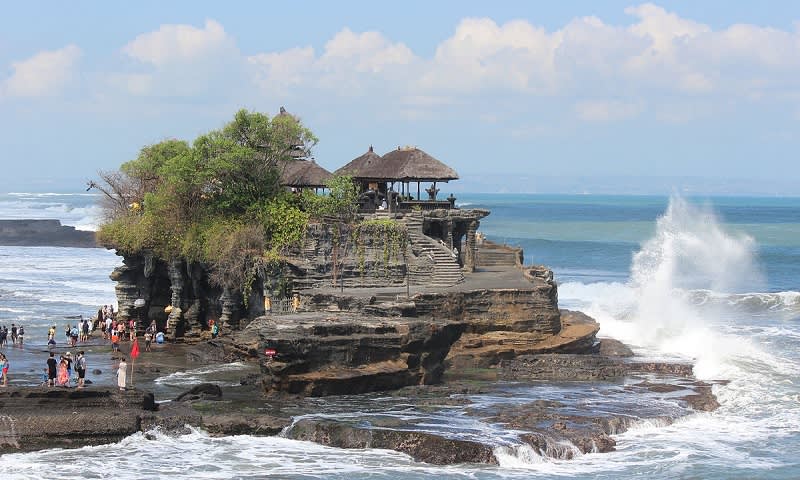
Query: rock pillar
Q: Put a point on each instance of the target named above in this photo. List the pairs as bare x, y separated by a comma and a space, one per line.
230, 308
470, 246
176, 280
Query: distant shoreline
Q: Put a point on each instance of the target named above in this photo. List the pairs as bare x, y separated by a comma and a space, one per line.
44, 233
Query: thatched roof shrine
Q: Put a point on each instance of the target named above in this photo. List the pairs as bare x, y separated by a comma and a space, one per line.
303, 173
363, 167
406, 164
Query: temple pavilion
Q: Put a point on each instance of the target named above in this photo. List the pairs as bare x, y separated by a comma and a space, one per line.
390, 178
386, 187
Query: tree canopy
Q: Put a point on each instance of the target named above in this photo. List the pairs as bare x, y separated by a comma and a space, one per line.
217, 199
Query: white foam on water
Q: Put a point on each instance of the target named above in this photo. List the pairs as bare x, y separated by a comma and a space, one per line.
78, 210
197, 375
693, 295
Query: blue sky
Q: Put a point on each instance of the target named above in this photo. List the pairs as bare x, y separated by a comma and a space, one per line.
601, 97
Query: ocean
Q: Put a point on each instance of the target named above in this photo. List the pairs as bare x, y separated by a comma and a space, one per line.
713, 280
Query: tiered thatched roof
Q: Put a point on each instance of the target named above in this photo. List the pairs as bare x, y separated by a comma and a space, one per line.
407, 164
303, 173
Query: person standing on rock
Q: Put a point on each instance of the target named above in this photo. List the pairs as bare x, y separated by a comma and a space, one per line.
51, 370
4, 370
81, 368
122, 374
295, 302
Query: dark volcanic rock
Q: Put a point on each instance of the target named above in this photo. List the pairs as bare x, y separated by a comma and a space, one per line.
704, 399
583, 367
421, 446
40, 417
204, 391
561, 367
244, 424
614, 348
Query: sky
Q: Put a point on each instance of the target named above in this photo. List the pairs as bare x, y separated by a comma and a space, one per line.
528, 97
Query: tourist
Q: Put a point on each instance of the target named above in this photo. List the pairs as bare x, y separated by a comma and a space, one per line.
295, 302
122, 374
51, 333
85, 331
148, 338
4, 370
51, 369
13, 334
3, 336
114, 341
121, 329
67, 331
68, 358
74, 333
108, 327
132, 329
81, 368
214, 330
21, 335
63, 373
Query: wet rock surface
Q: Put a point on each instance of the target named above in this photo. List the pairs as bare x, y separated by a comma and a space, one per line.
41, 417
421, 446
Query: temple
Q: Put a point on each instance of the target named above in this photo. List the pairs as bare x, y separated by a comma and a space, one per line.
386, 187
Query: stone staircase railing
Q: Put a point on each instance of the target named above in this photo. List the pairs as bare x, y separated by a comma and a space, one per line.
446, 270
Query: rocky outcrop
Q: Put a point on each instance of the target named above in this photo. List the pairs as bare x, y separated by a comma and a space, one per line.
344, 344
421, 446
44, 233
347, 353
38, 417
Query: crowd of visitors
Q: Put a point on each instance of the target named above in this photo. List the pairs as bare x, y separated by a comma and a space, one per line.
17, 334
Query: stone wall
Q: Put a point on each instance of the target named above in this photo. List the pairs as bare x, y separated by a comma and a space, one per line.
367, 262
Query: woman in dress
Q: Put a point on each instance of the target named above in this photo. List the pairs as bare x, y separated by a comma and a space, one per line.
3, 370
122, 374
63, 373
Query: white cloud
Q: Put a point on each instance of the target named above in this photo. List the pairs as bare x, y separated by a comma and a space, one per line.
481, 54
350, 64
655, 58
179, 43
44, 74
182, 61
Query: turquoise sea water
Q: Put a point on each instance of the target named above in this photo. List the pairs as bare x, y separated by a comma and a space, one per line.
715, 280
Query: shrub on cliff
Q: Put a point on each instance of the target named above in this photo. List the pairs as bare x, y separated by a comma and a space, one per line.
216, 200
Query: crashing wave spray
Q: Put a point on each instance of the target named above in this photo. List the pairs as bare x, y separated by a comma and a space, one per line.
689, 251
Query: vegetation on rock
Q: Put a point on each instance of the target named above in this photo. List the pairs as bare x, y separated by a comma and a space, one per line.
218, 200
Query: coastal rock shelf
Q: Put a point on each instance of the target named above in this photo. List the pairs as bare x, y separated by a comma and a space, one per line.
344, 344
39, 417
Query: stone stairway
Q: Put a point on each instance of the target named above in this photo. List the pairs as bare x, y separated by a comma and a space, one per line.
492, 254
445, 272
